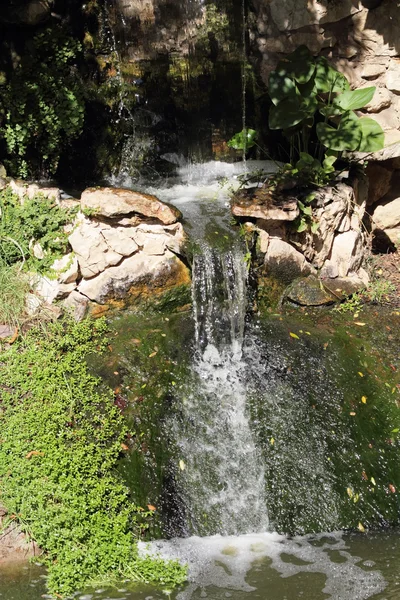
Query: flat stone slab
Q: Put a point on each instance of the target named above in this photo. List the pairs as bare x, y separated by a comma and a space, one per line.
308, 291
115, 202
262, 204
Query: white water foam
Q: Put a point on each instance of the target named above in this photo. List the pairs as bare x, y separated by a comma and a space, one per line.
225, 562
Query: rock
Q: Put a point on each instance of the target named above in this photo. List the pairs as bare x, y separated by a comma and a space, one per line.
346, 255
294, 14
387, 216
77, 305
342, 287
120, 240
382, 99
308, 291
3, 172
51, 289
379, 178
66, 268
3, 183
31, 12
392, 78
284, 262
155, 239
91, 248
114, 202
394, 236
135, 272
36, 250
373, 68
14, 545
24, 190
261, 204
32, 304
6, 331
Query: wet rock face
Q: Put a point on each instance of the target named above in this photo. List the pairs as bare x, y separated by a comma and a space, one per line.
25, 12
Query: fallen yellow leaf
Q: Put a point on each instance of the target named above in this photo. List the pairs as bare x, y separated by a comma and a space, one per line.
352, 414
349, 492
272, 441
153, 354
182, 465
364, 399
151, 507
359, 324
361, 527
360, 374
293, 335
373, 481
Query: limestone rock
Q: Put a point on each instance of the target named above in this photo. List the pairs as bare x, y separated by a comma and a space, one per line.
77, 304
3, 172
387, 216
294, 14
135, 271
373, 68
66, 268
284, 262
155, 239
341, 287
394, 236
393, 76
91, 249
51, 289
308, 291
264, 205
120, 240
346, 255
114, 202
382, 99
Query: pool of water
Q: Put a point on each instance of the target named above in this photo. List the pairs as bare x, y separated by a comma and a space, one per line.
266, 566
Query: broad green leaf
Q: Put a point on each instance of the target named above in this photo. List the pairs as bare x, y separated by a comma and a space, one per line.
299, 64
327, 79
372, 135
286, 114
306, 158
346, 137
280, 87
302, 226
314, 229
243, 140
353, 100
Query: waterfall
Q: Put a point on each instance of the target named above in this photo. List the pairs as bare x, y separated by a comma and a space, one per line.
223, 486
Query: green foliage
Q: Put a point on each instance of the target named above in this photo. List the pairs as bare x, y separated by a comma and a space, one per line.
38, 219
13, 289
244, 140
60, 442
303, 89
42, 105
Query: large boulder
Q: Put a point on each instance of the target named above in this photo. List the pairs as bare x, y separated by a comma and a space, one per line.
387, 216
294, 14
284, 262
140, 274
115, 202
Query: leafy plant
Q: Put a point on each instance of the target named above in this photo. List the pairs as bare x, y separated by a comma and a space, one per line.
244, 140
60, 444
42, 105
37, 220
310, 95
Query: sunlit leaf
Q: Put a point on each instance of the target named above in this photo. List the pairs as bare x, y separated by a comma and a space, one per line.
354, 100
373, 481
361, 527
293, 335
364, 399
372, 135
349, 492
182, 465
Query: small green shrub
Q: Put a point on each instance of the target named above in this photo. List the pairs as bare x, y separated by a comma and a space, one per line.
38, 220
42, 105
59, 446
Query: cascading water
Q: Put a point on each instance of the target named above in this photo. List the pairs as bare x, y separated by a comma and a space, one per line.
223, 484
